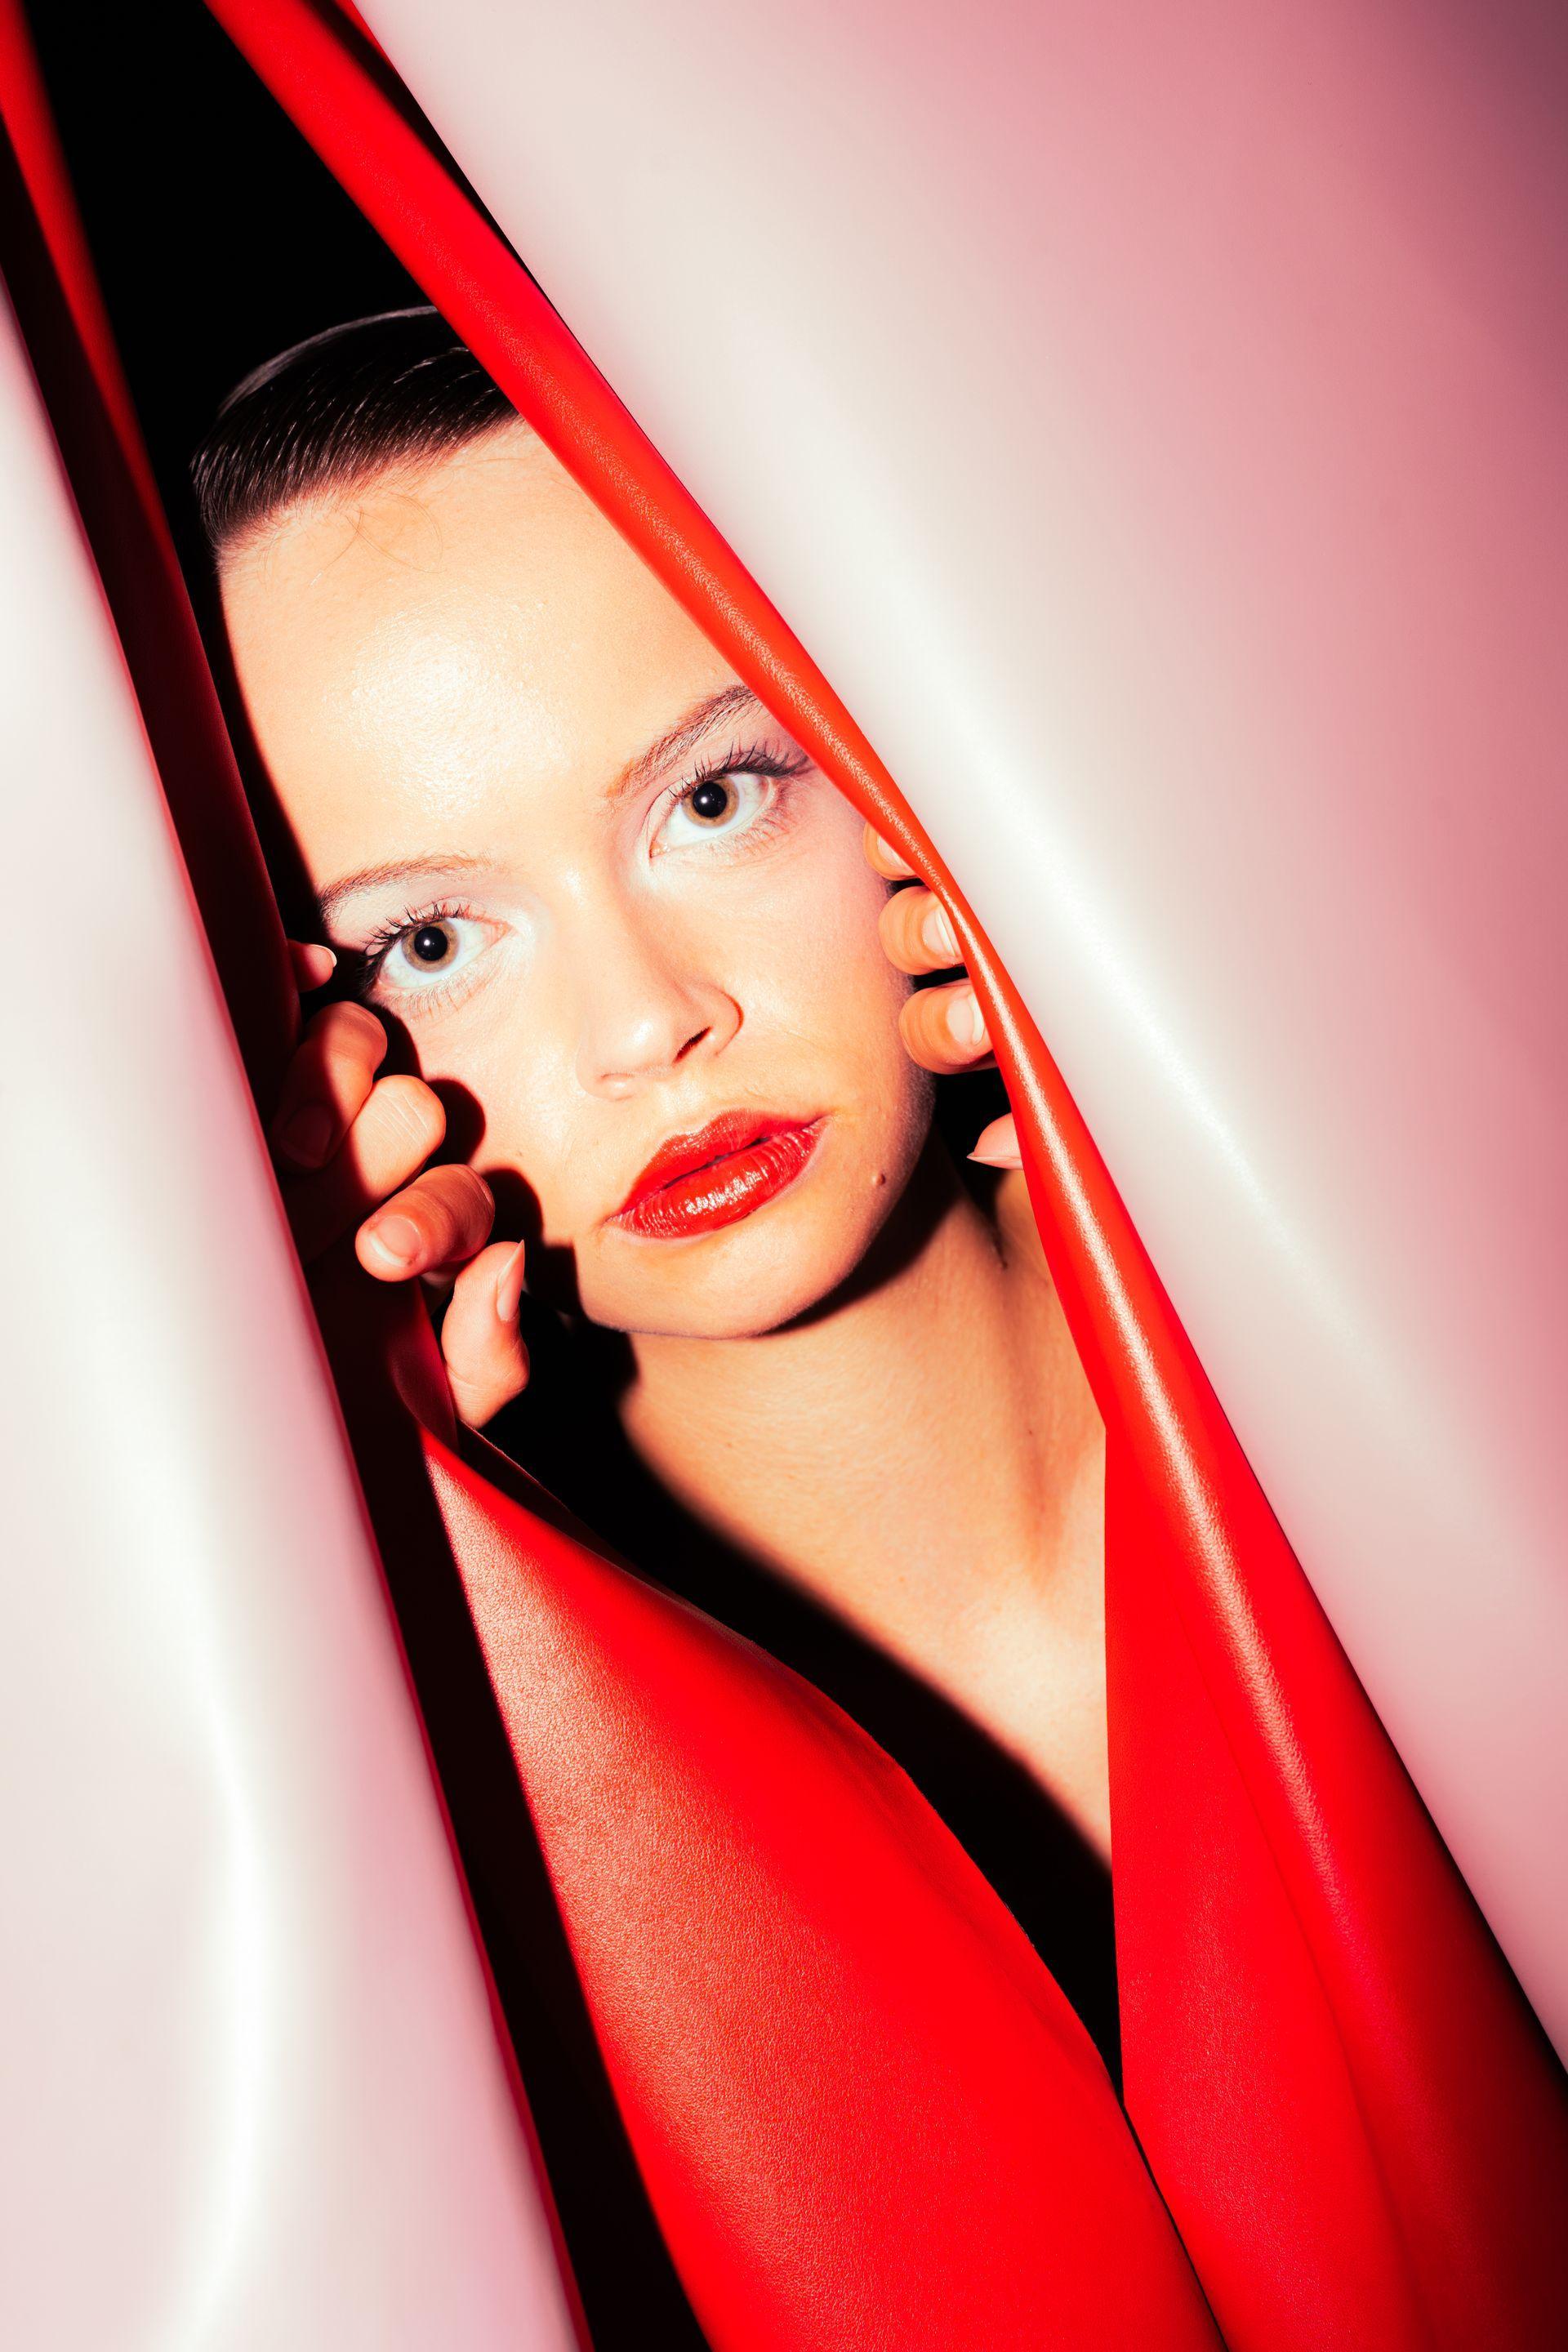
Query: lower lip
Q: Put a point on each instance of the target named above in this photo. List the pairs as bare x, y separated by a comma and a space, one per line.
725, 1190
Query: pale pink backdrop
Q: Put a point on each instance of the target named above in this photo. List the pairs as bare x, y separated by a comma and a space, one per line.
1151, 418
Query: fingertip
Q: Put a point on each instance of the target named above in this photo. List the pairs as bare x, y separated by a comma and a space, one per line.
485, 1354
509, 1285
305, 1139
999, 1145
884, 858
391, 1247
313, 964
938, 936
964, 1020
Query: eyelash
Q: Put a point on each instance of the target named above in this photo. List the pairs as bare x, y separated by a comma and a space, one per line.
755, 760
379, 944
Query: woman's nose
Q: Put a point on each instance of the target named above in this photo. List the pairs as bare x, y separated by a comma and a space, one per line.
645, 1008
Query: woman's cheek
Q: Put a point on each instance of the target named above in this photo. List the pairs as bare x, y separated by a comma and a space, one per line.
869, 991
822, 907
518, 1093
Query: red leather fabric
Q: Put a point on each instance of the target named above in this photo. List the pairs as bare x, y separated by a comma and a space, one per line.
864, 2113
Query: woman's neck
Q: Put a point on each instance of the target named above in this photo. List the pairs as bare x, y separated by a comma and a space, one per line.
923, 1457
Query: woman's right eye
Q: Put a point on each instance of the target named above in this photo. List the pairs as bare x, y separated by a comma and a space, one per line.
429, 956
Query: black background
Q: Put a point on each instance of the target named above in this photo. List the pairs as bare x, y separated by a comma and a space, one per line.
218, 237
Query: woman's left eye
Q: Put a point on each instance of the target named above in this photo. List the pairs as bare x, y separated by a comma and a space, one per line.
717, 807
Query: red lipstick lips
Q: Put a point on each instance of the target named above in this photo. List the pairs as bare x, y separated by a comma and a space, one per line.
695, 1183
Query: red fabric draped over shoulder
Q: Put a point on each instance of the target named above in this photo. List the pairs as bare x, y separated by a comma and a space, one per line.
862, 2108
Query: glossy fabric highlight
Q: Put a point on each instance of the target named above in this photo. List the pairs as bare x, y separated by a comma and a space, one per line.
876, 2118
255, 2094
1456, 2108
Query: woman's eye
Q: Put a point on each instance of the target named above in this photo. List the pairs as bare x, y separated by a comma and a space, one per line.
716, 807
429, 955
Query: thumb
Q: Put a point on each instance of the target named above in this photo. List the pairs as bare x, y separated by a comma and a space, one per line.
487, 1363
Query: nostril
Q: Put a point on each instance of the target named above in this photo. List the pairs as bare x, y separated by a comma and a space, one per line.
644, 1026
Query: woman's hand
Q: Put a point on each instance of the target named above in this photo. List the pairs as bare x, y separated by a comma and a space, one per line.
942, 1027
350, 1149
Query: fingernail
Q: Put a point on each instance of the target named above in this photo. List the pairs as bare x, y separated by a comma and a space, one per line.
966, 1022
313, 965
996, 1146
938, 936
398, 1238
509, 1285
305, 1138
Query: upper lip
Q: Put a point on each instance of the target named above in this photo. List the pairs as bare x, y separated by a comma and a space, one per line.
679, 1155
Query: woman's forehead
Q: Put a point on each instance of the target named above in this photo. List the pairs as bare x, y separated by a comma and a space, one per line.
451, 631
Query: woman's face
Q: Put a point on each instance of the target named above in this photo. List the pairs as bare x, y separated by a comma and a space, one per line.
599, 890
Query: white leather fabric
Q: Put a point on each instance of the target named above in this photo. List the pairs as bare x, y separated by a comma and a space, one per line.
255, 2100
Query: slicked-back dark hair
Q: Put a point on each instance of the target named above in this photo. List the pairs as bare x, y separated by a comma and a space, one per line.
335, 410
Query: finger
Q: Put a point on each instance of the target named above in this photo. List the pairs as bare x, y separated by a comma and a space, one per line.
326, 1085
917, 932
388, 1141
943, 1029
438, 1220
885, 859
487, 1362
313, 965
998, 1144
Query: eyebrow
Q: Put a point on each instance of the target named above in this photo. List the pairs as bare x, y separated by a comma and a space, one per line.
435, 868
678, 739
660, 755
